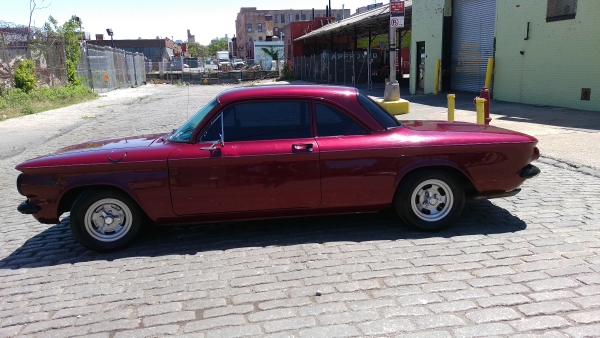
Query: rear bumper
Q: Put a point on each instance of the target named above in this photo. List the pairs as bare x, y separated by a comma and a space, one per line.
529, 171
28, 208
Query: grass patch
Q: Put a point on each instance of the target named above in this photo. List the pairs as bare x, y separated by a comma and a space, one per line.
15, 102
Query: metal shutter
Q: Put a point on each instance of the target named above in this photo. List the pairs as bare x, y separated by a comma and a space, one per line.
472, 42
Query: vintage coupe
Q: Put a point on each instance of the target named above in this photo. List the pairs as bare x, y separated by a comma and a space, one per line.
275, 151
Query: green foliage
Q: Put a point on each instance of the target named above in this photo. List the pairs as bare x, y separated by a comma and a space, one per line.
197, 50
25, 76
275, 54
217, 46
70, 33
16, 102
287, 73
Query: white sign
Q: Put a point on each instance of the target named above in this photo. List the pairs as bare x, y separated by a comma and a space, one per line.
397, 22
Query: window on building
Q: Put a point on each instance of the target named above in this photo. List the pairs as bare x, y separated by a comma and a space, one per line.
276, 31
303, 17
268, 18
260, 38
297, 17
282, 18
250, 39
275, 19
249, 28
259, 27
338, 17
561, 10
290, 18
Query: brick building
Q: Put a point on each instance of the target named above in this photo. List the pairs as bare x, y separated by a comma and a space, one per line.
268, 25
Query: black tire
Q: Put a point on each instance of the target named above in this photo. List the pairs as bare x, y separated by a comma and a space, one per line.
120, 216
444, 191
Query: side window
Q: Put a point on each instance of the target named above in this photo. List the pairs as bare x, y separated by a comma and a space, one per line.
266, 121
332, 122
214, 131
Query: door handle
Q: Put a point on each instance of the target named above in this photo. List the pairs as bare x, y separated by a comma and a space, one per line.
302, 147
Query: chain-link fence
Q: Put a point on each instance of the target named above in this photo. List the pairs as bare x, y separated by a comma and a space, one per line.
348, 68
199, 77
104, 68
18, 42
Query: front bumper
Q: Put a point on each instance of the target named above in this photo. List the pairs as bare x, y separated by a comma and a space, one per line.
28, 208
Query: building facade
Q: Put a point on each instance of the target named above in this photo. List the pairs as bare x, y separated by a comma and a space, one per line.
268, 25
542, 50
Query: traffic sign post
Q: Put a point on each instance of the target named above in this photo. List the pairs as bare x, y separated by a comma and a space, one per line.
392, 88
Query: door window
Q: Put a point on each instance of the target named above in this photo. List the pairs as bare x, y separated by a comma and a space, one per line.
332, 122
262, 121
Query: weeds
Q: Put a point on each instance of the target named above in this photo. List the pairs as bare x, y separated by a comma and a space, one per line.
16, 102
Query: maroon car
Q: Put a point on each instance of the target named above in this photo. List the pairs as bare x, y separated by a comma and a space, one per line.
276, 151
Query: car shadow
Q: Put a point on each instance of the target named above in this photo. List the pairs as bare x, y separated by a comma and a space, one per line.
56, 245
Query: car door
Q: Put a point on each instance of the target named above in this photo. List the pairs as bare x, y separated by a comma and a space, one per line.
253, 156
355, 170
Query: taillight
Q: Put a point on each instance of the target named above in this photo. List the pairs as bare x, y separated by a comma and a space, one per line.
536, 154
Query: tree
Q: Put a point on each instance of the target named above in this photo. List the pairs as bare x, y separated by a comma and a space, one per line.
70, 32
216, 46
197, 50
275, 54
33, 5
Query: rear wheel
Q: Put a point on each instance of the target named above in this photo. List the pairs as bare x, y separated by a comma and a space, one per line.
430, 199
105, 220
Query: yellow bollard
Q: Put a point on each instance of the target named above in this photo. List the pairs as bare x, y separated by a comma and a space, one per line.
436, 79
488, 73
451, 98
479, 102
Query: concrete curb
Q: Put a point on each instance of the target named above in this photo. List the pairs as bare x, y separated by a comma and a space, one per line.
570, 166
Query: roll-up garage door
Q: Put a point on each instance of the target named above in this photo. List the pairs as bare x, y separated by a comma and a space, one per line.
472, 42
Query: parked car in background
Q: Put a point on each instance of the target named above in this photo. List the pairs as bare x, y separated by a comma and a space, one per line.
275, 151
238, 64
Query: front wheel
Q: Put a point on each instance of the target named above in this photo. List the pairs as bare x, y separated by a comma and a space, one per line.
430, 200
105, 220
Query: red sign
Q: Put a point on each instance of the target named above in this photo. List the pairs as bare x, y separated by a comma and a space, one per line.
396, 7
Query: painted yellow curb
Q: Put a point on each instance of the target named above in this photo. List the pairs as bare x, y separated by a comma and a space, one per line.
394, 107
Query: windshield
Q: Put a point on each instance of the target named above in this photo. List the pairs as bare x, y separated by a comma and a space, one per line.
184, 133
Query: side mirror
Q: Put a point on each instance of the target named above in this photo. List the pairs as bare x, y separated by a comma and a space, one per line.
213, 145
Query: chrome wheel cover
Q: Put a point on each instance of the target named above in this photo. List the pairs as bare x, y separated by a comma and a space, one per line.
432, 200
108, 220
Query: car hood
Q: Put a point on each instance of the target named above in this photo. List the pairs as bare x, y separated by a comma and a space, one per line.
113, 144
119, 150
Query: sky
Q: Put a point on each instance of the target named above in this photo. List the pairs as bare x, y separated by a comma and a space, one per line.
148, 19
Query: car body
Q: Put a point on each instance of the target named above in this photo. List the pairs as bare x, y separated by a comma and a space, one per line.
238, 64
276, 151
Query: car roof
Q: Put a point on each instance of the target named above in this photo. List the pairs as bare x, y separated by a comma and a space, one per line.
334, 93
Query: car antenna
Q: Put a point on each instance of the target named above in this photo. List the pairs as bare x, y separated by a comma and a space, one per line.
187, 109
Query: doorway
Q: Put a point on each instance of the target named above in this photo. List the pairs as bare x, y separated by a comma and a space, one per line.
420, 67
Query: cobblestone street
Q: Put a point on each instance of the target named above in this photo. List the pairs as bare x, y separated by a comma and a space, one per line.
527, 265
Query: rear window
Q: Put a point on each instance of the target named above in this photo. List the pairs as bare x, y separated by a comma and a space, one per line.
382, 116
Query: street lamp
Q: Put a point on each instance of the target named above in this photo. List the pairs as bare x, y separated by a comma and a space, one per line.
109, 31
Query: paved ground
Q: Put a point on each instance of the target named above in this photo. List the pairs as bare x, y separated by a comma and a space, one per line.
524, 266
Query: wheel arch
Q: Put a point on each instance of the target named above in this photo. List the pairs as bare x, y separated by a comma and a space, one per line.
465, 181
70, 196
